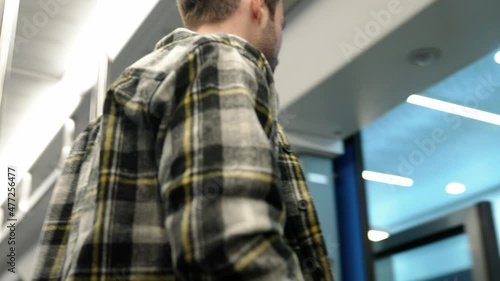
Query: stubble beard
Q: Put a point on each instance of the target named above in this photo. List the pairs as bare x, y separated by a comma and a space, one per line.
268, 43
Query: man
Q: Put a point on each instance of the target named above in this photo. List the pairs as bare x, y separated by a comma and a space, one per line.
188, 175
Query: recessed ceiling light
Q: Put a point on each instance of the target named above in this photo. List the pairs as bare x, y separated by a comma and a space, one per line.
454, 109
455, 188
387, 178
497, 57
377, 235
424, 56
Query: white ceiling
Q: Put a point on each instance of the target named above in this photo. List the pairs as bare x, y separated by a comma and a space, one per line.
312, 46
382, 77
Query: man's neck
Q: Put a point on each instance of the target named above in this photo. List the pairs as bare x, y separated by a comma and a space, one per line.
227, 28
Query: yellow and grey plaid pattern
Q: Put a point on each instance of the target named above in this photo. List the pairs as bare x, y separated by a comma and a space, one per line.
188, 175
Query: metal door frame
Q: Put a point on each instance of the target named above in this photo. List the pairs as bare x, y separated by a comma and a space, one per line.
475, 222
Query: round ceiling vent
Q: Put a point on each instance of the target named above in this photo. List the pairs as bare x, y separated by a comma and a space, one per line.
424, 56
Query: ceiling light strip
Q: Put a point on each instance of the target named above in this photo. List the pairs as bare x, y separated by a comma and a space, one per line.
387, 178
456, 109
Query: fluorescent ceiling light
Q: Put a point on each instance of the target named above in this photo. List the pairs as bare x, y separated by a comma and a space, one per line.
456, 109
108, 29
377, 235
497, 57
455, 188
120, 20
387, 178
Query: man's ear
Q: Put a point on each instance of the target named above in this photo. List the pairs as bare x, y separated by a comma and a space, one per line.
257, 8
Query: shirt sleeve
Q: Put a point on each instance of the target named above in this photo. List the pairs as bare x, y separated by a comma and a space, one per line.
219, 174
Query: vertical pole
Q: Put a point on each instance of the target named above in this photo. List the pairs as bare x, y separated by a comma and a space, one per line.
7, 39
480, 229
67, 140
99, 91
355, 248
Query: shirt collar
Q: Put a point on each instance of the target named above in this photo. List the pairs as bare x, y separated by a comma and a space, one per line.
176, 35
180, 34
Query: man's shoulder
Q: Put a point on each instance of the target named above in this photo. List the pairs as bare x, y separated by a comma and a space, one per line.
87, 139
168, 57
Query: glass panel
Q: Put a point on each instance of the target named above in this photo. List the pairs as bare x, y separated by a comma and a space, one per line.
318, 172
448, 259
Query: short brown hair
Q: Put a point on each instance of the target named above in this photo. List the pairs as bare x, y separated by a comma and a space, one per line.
194, 13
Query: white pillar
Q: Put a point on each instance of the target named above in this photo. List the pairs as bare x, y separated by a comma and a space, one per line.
7, 39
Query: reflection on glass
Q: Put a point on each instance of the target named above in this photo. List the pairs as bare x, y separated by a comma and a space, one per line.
447, 259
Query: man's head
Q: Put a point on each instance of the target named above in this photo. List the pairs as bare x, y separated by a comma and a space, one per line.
260, 22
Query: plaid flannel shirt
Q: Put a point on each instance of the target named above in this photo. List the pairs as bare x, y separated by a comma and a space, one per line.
188, 175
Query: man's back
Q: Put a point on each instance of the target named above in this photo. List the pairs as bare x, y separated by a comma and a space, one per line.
183, 178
